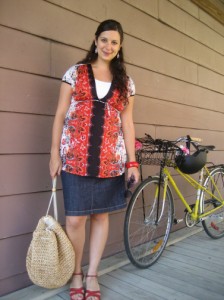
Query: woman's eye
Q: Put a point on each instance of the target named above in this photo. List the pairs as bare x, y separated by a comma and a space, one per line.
114, 43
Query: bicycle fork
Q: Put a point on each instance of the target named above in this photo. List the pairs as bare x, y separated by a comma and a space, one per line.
158, 199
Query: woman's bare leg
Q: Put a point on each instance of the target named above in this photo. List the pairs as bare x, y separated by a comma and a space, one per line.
75, 228
99, 227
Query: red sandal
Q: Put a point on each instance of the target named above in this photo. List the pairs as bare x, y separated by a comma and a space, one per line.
77, 291
90, 293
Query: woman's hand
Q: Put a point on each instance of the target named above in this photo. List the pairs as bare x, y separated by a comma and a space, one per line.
55, 165
134, 173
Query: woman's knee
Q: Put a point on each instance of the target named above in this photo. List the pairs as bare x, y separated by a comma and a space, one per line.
75, 221
100, 217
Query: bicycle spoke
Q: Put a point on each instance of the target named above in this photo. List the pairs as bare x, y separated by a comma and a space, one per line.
145, 236
214, 223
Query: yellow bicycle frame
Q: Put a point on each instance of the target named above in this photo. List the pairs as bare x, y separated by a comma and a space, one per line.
195, 214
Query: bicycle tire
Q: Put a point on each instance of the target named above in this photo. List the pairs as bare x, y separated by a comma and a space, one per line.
144, 240
214, 223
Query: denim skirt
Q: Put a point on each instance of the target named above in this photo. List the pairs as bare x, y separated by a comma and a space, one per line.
85, 195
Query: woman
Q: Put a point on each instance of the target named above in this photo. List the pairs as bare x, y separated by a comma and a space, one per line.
94, 130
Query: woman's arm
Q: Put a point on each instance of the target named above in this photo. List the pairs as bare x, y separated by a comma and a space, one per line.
63, 105
129, 136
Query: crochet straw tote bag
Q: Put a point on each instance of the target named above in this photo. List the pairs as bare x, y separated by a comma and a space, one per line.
50, 259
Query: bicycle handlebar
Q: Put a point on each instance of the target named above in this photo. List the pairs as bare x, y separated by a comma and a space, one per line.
189, 138
195, 142
173, 144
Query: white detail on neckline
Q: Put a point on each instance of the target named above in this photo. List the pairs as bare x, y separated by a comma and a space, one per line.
102, 88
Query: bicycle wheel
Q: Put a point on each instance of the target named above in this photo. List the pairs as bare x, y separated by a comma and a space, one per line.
146, 229
214, 223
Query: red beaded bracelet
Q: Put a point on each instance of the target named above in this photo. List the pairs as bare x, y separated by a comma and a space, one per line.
132, 164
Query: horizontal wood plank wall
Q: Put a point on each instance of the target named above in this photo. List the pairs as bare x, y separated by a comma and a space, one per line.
176, 62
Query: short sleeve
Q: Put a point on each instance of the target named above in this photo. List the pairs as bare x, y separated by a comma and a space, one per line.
70, 76
131, 87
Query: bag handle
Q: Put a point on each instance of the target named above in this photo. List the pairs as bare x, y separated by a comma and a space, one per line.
53, 199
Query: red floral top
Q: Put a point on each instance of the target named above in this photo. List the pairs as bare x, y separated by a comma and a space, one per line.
92, 142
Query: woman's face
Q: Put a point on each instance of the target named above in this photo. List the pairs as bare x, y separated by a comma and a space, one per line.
108, 45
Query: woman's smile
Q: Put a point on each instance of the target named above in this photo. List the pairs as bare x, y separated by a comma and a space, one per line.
108, 44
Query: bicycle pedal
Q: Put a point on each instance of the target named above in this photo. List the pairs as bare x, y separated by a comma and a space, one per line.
177, 221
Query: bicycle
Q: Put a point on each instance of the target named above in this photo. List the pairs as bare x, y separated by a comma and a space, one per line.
150, 213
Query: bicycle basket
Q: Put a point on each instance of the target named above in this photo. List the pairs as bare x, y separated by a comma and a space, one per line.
190, 164
156, 152
156, 158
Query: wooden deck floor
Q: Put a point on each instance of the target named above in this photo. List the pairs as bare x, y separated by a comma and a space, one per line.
189, 269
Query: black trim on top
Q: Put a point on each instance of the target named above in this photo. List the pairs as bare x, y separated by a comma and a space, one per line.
93, 86
92, 81
95, 138
97, 124
66, 82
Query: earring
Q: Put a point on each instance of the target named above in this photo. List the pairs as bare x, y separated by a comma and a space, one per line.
96, 51
118, 55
